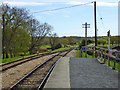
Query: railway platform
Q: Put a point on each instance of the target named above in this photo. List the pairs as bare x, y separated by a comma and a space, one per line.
60, 76
82, 73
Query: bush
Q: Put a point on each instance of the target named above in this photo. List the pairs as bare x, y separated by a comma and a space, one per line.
57, 46
83, 42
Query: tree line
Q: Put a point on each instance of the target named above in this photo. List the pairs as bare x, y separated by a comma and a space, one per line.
21, 33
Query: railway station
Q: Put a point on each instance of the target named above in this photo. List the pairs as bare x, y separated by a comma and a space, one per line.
82, 73
34, 57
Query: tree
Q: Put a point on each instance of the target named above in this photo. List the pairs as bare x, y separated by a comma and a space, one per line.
82, 42
102, 41
13, 20
112, 40
71, 41
38, 32
53, 40
64, 41
21, 33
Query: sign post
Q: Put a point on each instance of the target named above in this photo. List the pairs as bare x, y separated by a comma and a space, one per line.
83, 49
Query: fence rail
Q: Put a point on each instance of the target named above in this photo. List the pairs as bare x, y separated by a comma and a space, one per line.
102, 54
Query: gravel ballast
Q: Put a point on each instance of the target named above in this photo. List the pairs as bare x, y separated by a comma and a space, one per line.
11, 76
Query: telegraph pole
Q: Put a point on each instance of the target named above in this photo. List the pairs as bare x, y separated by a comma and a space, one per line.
95, 27
3, 36
86, 26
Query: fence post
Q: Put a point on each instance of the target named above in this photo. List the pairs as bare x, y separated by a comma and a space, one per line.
109, 55
93, 52
105, 56
116, 55
102, 55
119, 66
79, 53
114, 64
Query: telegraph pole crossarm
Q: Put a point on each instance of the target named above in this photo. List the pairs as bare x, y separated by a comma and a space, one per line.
86, 26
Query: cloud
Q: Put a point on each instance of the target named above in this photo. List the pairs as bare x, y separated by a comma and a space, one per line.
98, 3
106, 4
74, 2
23, 3
18, 3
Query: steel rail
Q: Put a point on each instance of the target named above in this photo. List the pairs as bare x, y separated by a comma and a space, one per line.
28, 59
13, 86
46, 77
32, 72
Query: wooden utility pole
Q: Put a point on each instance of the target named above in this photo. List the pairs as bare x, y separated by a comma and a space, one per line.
0, 35
95, 27
86, 26
3, 32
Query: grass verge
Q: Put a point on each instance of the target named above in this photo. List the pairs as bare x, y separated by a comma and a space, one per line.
19, 57
117, 67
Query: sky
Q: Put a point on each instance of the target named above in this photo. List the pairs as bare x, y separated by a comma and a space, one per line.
68, 21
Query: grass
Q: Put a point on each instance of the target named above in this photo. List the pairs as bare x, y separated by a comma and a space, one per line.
19, 57
83, 55
46, 46
117, 67
15, 58
61, 49
105, 46
10, 59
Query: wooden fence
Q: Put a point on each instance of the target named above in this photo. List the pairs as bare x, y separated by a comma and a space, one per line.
102, 54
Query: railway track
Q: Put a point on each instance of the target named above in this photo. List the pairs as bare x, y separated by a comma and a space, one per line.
38, 76
12, 64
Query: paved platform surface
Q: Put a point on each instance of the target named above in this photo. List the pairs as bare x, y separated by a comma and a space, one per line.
82, 73
59, 78
89, 73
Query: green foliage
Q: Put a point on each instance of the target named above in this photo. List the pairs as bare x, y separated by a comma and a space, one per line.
45, 46
106, 61
61, 49
112, 64
22, 33
115, 40
102, 41
82, 43
89, 41
83, 55
57, 46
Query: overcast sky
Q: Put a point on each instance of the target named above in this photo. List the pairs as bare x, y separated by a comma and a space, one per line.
68, 22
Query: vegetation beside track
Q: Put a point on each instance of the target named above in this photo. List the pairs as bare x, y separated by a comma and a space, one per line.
6, 60
83, 55
117, 67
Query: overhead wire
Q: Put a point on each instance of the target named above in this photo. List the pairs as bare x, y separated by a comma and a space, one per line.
62, 8
101, 19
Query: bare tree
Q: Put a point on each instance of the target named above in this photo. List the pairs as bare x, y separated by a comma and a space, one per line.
38, 32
